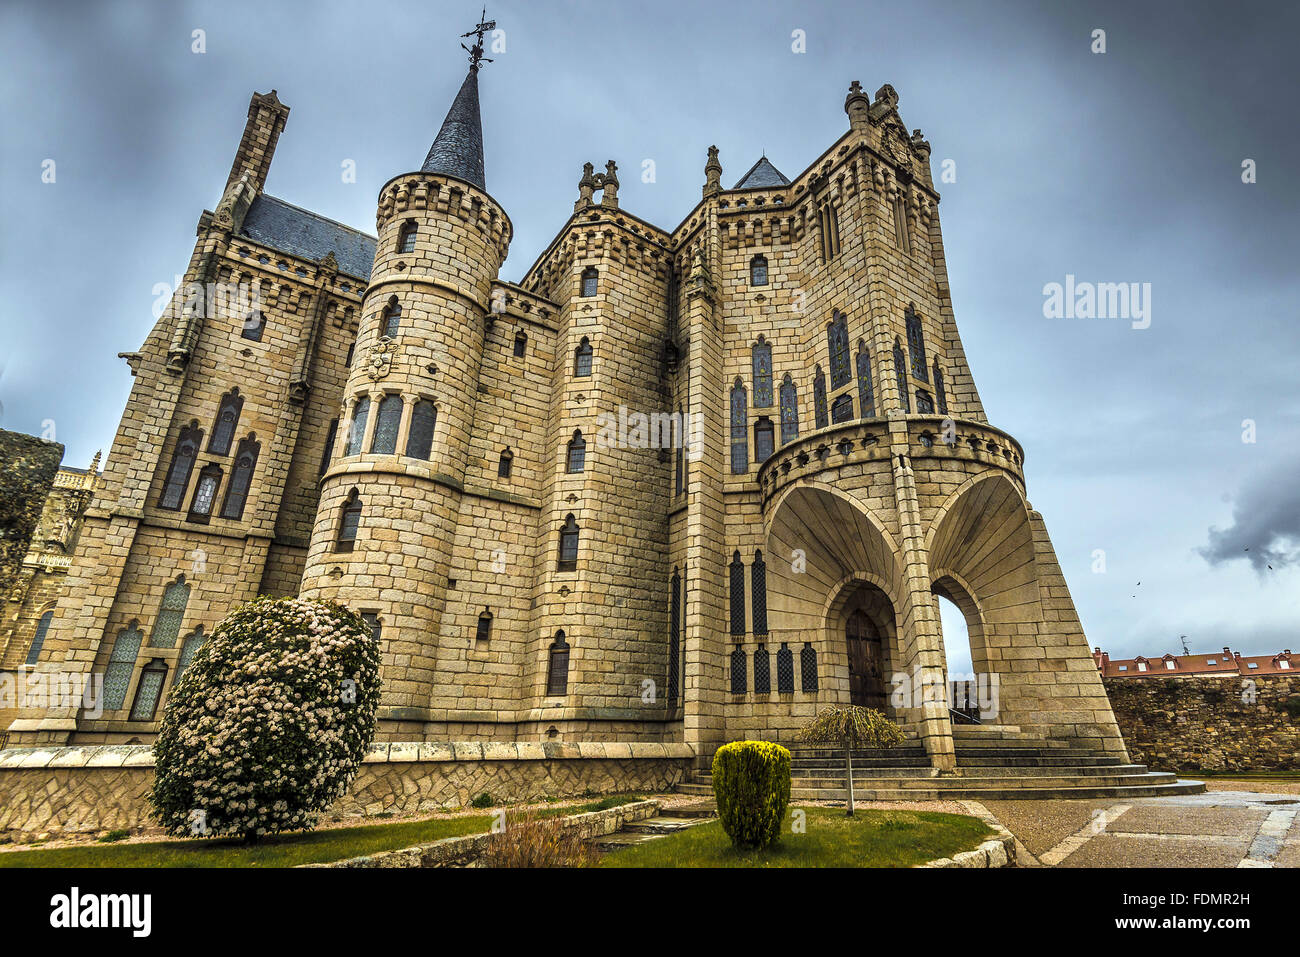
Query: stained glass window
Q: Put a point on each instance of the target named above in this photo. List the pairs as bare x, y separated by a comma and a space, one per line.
557, 668
170, 613
842, 408
419, 440
866, 397
569, 544
758, 273
916, 345
758, 588
349, 522
939, 391
924, 404
189, 648
762, 362
576, 459
521, 343
357, 428
674, 635
820, 414
329, 445
121, 663
205, 493
391, 320
38, 639
837, 336
785, 669
376, 626
241, 479
764, 440
406, 238
178, 476
738, 676
582, 358
900, 373
762, 671
506, 464
589, 278
739, 430
789, 410
737, 568
148, 691
387, 422
223, 430
808, 665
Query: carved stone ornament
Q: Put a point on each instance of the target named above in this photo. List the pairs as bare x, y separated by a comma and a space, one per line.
380, 360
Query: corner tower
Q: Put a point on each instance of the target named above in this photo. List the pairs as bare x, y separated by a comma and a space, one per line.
391, 494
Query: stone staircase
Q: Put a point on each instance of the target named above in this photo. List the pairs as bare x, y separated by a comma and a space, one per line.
661, 825
994, 762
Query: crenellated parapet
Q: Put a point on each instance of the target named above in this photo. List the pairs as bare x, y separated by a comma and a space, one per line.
442, 195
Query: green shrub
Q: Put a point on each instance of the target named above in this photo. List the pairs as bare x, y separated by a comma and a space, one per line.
120, 834
483, 800
751, 782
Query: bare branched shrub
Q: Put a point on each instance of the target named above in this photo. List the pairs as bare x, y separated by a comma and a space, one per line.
531, 840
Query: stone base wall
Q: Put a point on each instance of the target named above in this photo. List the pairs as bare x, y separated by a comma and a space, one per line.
1210, 723
98, 788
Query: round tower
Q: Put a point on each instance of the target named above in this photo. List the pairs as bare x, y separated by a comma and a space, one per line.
390, 496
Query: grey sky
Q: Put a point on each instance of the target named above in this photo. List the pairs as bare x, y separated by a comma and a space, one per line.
1118, 167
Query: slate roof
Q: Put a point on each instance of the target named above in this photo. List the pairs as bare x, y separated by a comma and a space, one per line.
762, 173
458, 148
298, 232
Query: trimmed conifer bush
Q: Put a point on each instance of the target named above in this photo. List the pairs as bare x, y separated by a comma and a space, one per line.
751, 782
268, 725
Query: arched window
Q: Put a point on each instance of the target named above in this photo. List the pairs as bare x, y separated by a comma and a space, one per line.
900, 373
924, 404
505, 463
121, 663
939, 391
866, 395
575, 459
148, 691
837, 338
900, 224
241, 479
387, 422
739, 678
406, 237
419, 440
789, 410
764, 440
758, 593
557, 667
821, 418
376, 626
739, 429
254, 323
330, 436
349, 522
758, 272
189, 648
674, 635
737, 596
357, 427
390, 320
916, 344
568, 544
762, 671
484, 630
842, 408
170, 614
582, 359
785, 669
178, 475
205, 494
38, 639
589, 278
680, 452
808, 667
521, 343
761, 355
223, 429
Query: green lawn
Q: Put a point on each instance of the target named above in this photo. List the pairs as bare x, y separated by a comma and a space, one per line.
285, 850
872, 838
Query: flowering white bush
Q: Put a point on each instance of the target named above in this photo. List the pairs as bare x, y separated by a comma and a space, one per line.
268, 725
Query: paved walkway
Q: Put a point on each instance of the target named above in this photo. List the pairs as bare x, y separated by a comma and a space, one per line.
1222, 828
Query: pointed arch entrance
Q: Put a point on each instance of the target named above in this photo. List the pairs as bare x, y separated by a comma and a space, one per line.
866, 661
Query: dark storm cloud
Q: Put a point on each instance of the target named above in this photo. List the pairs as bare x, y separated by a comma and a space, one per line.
1265, 529
1115, 167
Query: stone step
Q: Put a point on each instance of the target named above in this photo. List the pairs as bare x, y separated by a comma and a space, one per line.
986, 793
1030, 771
982, 730
661, 824
1021, 777
1030, 761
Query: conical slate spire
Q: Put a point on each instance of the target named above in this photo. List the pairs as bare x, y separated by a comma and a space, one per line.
762, 173
458, 148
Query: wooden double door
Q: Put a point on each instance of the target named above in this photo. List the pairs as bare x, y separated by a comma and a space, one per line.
866, 661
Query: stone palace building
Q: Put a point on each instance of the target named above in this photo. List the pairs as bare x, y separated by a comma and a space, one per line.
674, 486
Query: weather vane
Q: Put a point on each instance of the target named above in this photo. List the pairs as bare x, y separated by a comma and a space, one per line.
476, 52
